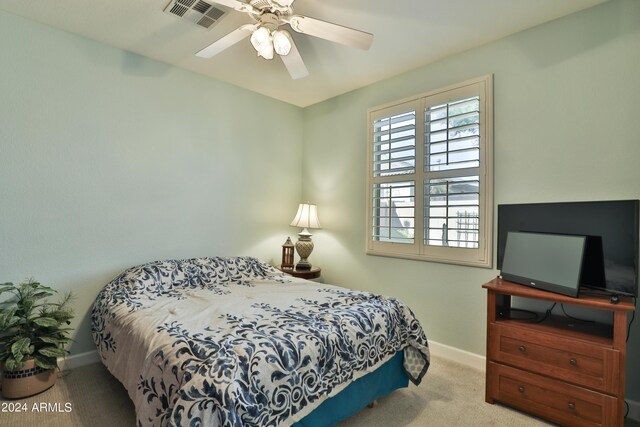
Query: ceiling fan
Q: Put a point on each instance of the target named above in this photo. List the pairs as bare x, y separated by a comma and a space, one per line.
268, 37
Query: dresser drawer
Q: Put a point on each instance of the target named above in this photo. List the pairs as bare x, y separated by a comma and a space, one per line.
557, 401
575, 361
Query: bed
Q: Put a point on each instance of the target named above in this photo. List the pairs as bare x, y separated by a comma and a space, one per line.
235, 342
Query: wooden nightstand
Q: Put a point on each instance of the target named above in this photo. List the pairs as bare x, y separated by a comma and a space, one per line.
314, 273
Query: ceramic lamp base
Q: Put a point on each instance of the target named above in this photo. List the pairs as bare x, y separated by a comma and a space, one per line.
304, 247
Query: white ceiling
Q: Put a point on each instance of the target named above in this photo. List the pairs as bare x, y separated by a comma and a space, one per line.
407, 34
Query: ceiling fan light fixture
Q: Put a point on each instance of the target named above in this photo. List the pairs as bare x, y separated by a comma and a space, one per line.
262, 42
267, 39
281, 42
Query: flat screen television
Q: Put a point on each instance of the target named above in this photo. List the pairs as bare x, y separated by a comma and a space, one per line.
552, 262
613, 224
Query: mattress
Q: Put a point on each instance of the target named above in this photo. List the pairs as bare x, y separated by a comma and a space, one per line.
234, 342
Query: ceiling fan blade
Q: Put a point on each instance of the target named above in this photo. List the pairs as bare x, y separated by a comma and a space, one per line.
227, 41
294, 63
332, 32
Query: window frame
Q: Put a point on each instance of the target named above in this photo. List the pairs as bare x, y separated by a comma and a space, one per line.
483, 255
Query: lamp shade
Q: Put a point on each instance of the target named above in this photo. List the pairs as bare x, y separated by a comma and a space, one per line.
306, 217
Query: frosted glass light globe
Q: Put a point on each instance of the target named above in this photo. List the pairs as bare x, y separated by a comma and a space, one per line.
281, 42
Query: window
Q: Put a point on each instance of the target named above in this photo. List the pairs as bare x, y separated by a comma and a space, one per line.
430, 176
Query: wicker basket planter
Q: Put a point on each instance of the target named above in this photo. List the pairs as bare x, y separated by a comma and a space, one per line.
33, 335
27, 381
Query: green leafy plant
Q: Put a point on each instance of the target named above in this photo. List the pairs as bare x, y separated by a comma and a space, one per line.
32, 327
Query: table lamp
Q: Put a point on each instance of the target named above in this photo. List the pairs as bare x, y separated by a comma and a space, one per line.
306, 217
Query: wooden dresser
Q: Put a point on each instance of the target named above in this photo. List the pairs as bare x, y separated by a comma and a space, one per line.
566, 371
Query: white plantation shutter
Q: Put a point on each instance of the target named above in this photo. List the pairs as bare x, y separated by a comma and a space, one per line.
452, 146
433, 200
394, 212
453, 135
452, 208
393, 156
394, 147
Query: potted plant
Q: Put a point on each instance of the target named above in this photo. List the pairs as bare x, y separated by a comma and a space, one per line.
33, 334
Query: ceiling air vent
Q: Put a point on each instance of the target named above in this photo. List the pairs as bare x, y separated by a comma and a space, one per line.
199, 12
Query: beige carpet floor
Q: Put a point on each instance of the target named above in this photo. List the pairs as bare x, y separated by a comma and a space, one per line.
451, 395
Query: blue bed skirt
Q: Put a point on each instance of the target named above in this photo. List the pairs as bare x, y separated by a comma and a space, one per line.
387, 378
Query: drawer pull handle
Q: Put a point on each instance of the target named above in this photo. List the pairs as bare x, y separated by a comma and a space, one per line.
521, 389
522, 349
571, 406
573, 362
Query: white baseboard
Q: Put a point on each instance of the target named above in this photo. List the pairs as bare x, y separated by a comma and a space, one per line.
78, 360
473, 360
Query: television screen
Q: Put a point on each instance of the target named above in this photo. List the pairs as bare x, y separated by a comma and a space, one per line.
613, 223
552, 262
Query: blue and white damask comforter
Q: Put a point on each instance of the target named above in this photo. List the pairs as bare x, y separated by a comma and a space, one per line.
234, 342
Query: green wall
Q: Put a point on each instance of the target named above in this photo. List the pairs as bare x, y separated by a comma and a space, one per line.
566, 105
109, 160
